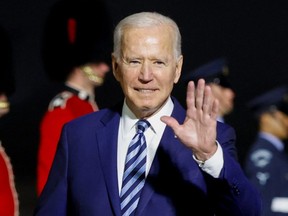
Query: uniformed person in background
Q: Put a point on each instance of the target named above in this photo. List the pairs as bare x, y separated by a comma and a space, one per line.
216, 75
6, 73
9, 203
76, 51
267, 163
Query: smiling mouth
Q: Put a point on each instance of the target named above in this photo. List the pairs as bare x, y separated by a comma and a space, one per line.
145, 90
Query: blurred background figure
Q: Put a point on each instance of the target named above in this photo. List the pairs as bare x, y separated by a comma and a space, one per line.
4, 104
7, 77
76, 52
9, 204
216, 74
267, 163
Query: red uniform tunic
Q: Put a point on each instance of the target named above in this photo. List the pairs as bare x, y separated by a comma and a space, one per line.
63, 108
9, 204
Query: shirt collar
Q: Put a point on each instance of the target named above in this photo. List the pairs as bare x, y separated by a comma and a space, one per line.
129, 119
273, 139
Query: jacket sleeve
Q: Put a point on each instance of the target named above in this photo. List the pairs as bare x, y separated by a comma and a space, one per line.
233, 193
53, 199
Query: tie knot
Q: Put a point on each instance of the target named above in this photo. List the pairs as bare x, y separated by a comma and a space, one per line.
142, 125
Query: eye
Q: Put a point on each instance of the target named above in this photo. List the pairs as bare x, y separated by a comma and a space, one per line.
131, 61
134, 62
159, 63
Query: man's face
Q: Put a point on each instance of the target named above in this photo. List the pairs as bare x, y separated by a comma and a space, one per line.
225, 97
147, 69
276, 123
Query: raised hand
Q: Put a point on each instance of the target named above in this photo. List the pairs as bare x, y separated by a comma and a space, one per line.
198, 131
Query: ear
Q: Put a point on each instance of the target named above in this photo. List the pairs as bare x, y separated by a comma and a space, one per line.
178, 71
115, 68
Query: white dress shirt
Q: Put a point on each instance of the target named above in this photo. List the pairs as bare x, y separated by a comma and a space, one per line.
153, 135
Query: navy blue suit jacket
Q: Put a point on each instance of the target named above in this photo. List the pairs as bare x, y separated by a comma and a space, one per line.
83, 178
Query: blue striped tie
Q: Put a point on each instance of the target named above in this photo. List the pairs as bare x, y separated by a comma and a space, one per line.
134, 172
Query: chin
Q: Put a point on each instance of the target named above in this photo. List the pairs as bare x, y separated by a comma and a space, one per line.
148, 109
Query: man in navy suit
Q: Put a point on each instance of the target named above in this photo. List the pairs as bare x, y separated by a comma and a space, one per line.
191, 167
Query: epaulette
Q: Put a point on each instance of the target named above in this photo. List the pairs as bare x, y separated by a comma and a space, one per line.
60, 100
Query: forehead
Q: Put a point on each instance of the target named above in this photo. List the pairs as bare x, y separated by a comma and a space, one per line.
148, 36
153, 35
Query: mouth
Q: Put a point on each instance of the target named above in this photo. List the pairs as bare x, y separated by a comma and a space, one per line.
145, 90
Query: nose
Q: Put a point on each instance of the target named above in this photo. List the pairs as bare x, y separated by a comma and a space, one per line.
146, 73
104, 67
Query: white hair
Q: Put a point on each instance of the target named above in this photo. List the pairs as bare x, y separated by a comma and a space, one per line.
146, 19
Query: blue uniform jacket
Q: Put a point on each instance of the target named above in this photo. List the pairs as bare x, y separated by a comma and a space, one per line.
267, 169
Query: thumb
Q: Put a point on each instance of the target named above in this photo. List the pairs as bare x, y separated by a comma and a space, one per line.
170, 121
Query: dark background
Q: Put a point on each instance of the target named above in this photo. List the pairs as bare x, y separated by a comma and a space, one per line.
253, 35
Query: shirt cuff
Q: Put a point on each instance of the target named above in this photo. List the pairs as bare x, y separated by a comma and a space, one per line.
213, 165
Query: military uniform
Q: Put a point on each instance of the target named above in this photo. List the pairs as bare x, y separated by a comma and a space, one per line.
70, 41
67, 105
266, 163
267, 168
9, 204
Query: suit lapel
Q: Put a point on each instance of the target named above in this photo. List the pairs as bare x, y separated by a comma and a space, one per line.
166, 140
149, 189
107, 143
107, 136
176, 152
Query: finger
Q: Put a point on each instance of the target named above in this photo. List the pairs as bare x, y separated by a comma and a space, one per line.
215, 109
207, 101
190, 96
200, 93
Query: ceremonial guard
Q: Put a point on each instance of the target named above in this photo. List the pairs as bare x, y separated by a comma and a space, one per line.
76, 52
9, 203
